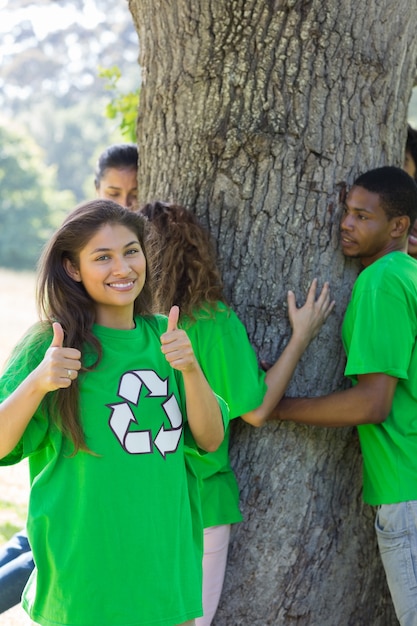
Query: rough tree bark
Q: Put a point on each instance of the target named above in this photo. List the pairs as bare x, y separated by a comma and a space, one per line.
256, 115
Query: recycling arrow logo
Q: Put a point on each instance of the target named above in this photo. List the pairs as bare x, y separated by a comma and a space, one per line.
122, 417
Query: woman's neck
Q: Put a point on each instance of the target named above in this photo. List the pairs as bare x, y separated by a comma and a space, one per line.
117, 319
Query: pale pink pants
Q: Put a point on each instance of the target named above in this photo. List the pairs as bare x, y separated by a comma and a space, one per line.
216, 544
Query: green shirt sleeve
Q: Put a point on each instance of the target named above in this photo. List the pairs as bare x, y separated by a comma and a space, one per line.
25, 357
378, 330
228, 360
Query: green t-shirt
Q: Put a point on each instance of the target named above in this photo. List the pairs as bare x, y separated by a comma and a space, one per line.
379, 334
229, 362
116, 538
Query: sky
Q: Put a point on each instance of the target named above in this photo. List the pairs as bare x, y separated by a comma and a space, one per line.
48, 17
45, 17
25, 23
52, 16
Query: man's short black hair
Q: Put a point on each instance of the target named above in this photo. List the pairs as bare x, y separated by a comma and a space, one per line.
396, 189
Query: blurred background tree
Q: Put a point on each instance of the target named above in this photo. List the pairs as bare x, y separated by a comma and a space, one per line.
69, 79
123, 107
31, 205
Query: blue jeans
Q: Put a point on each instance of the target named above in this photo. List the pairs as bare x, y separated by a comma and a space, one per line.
16, 565
396, 529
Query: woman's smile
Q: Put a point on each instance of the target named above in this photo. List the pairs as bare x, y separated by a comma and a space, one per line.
112, 269
122, 286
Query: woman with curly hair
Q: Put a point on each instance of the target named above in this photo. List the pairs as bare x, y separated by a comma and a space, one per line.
187, 275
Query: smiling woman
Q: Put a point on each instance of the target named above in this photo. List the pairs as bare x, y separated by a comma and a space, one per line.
112, 268
71, 401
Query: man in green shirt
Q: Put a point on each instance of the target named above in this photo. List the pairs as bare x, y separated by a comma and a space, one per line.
379, 336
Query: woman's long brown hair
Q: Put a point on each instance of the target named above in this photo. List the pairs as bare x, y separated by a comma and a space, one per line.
186, 271
62, 299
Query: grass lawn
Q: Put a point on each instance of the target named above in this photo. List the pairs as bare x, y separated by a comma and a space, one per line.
17, 313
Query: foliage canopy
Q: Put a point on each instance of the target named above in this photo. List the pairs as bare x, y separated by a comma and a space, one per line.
30, 206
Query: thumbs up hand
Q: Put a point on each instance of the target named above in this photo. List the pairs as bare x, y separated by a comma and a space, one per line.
176, 346
60, 365
173, 318
58, 338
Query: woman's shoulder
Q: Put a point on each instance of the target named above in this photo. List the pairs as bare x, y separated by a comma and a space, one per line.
218, 319
31, 348
223, 314
211, 312
37, 336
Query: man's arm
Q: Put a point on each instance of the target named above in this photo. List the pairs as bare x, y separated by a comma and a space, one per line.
368, 402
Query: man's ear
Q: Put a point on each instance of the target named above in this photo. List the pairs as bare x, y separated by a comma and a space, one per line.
72, 271
400, 226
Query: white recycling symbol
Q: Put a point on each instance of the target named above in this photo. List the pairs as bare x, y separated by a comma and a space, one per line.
140, 441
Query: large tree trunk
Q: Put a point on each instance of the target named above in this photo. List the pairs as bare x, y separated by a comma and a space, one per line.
256, 115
